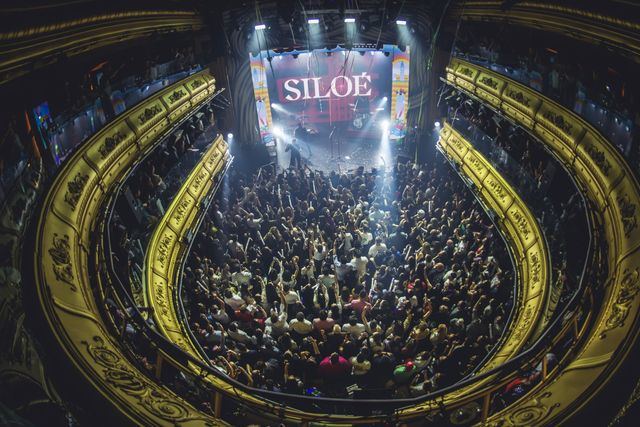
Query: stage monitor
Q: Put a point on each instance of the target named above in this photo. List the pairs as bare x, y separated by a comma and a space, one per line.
359, 92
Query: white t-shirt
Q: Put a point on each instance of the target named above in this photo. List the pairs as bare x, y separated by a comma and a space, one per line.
348, 238
366, 237
241, 277
235, 302
361, 265
354, 330
278, 328
303, 327
326, 280
378, 247
291, 297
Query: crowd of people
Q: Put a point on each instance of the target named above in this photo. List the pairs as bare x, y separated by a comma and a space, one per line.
335, 284
543, 184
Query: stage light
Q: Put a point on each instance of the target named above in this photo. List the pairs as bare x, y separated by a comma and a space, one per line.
260, 27
229, 136
385, 99
384, 125
401, 22
349, 20
277, 131
313, 21
437, 124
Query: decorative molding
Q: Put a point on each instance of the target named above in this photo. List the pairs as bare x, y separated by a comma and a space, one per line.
197, 83
535, 413
136, 386
75, 187
629, 288
519, 97
60, 253
628, 211
489, 82
110, 143
90, 20
177, 95
148, 114
558, 121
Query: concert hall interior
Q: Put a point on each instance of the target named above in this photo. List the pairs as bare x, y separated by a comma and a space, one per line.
319, 212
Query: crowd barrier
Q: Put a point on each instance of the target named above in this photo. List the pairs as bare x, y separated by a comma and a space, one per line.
613, 190
63, 251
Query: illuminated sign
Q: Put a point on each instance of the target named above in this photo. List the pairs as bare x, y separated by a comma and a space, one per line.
340, 86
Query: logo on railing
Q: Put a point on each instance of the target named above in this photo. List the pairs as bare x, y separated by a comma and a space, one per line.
110, 143
148, 114
74, 190
61, 257
628, 211
599, 158
161, 299
177, 95
476, 163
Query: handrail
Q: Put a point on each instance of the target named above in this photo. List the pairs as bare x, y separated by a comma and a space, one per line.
612, 188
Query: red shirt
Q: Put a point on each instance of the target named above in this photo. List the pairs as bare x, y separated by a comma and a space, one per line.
243, 316
359, 304
334, 370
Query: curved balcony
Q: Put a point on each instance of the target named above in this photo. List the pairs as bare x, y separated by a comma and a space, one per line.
63, 256
607, 181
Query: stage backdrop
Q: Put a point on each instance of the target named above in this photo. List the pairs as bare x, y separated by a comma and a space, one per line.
362, 91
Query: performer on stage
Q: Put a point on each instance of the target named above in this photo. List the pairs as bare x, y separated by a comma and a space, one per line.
296, 158
301, 132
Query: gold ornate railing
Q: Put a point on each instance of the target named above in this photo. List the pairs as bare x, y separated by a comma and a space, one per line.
63, 249
168, 245
606, 179
523, 234
23, 50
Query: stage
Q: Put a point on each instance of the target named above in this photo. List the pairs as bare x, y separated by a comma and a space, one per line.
351, 153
